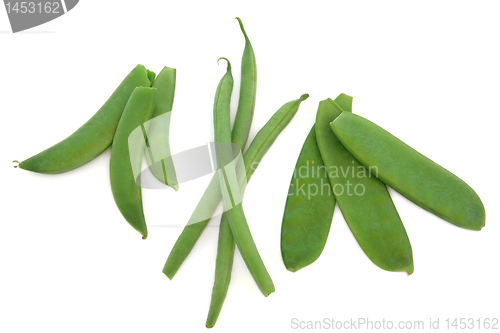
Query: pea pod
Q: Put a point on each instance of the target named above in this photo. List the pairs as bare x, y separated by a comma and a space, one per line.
126, 155
415, 176
158, 156
364, 200
212, 195
307, 217
93, 137
309, 205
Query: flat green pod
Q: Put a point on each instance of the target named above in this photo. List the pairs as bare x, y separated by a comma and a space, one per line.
158, 155
93, 137
308, 210
126, 157
363, 199
410, 173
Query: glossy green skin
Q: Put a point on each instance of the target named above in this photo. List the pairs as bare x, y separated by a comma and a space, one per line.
223, 267
239, 136
371, 217
236, 216
248, 92
307, 219
158, 132
212, 196
93, 137
126, 192
410, 173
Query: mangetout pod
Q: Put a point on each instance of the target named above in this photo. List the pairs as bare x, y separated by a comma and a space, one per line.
415, 176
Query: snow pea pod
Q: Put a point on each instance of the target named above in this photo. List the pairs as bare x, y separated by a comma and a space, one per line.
410, 173
308, 215
212, 196
159, 158
126, 155
93, 137
363, 199
230, 190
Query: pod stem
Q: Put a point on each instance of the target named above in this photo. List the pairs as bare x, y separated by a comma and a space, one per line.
228, 63
242, 28
16, 161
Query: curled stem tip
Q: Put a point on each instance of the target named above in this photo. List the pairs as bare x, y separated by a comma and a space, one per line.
17, 165
228, 63
242, 27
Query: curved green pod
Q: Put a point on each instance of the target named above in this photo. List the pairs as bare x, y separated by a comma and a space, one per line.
410, 173
308, 210
363, 199
93, 137
126, 156
223, 267
248, 92
158, 155
212, 195
227, 176
239, 136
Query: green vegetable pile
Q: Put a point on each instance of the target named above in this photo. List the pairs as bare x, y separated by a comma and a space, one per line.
339, 140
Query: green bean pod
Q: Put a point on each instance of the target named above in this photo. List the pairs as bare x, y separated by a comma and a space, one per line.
364, 200
158, 133
239, 136
307, 218
248, 92
93, 137
126, 155
229, 182
223, 267
410, 173
212, 195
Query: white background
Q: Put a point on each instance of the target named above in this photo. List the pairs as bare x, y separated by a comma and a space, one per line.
426, 71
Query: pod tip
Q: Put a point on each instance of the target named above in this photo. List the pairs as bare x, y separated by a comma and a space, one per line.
304, 97
167, 275
228, 63
18, 163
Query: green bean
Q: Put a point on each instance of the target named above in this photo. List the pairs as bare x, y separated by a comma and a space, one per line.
248, 91
223, 267
410, 173
126, 156
239, 136
212, 196
91, 139
162, 167
364, 200
307, 218
229, 182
